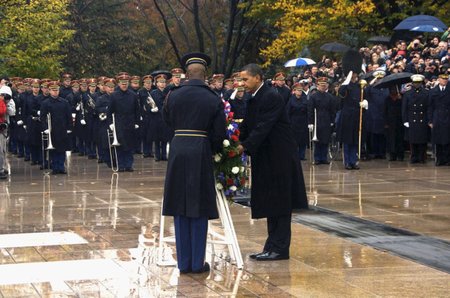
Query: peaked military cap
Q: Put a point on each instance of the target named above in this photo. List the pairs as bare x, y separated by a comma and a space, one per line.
195, 58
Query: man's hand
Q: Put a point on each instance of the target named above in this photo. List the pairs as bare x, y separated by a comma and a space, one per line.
46, 131
69, 131
430, 125
111, 127
240, 148
136, 126
406, 124
364, 104
311, 127
83, 122
20, 122
155, 110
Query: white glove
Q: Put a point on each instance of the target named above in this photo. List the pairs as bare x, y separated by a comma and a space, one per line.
233, 95
20, 122
39, 113
102, 117
373, 81
140, 118
111, 127
406, 124
155, 109
348, 79
69, 131
74, 115
136, 126
24, 127
311, 127
77, 108
364, 104
83, 122
46, 131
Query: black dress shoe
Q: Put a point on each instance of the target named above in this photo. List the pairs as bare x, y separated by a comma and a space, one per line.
92, 157
349, 167
316, 163
185, 271
146, 156
33, 163
325, 162
20, 155
355, 167
121, 170
254, 255
157, 159
129, 170
205, 268
100, 161
27, 159
272, 256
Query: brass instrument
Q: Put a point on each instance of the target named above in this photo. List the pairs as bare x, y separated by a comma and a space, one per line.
150, 102
91, 102
102, 116
315, 139
113, 145
362, 84
45, 149
49, 122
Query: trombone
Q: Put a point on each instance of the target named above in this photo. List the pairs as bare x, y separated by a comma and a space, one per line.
113, 145
47, 138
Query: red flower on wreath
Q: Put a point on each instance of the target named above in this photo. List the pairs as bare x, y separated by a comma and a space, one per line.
229, 181
234, 138
231, 154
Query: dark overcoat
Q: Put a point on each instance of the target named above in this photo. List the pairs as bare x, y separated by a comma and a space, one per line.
158, 130
285, 92
374, 116
277, 178
414, 111
324, 105
297, 109
20, 116
61, 121
190, 186
125, 106
439, 115
101, 107
393, 117
348, 126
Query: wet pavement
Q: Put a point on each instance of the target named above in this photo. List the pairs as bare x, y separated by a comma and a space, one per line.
92, 233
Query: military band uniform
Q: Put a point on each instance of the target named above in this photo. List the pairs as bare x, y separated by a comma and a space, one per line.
101, 108
159, 132
61, 122
195, 112
323, 105
439, 117
145, 109
125, 106
414, 112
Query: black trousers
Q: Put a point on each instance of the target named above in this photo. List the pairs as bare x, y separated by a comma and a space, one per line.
442, 152
279, 234
418, 152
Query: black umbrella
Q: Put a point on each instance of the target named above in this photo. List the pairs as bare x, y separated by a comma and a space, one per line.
394, 79
158, 72
380, 39
420, 20
334, 47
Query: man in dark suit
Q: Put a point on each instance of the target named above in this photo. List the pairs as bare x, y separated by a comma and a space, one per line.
277, 178
195, 113
439, 119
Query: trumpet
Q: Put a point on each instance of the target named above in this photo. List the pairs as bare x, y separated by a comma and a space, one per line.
49, 122
91, 102
150, 102
113, 146
315, 139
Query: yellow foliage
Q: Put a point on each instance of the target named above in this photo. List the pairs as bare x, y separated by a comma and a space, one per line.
32, 35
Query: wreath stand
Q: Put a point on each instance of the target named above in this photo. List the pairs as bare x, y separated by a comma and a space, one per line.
228, 238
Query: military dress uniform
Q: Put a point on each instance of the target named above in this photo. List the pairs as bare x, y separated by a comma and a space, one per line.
323, 105
395, 129
195, 112
414, 114
376, 136
282, 89
297, 109
145, 106
101, 108
125, 107
60, 114
439, 117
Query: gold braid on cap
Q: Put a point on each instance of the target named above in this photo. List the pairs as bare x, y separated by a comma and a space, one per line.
196, 58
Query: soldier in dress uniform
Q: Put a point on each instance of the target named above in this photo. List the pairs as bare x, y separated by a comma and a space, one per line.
297, 109
146, 103
177, 75
90, 117
20, 120
33, 106
439, 118
100, 85
228, 84
101, 108
348, 127
238, 101
195, 112
279, 83
80, 121
66, 87
376, 135
135, 83
415, 118
125, 108
321, 116
74, 99
59, 111
159, 132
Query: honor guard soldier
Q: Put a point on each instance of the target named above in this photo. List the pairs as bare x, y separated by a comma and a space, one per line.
20, 119
177, 75
297, 109
228, 84
90, 117
100, 84
238, 102
124, 107
415, 119
146, 104
321, 115
66, 87
101, 108
159, 132
439, 118
135, 83
279, 82
33, 106
195, 112
395, 129
374, 117
56, 119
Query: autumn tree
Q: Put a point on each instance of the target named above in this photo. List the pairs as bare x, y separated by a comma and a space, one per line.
32, 32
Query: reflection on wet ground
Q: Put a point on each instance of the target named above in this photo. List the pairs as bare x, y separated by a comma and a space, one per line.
94, 234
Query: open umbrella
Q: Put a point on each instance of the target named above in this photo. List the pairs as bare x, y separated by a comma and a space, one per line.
427, 28
380, 39
419, 20
334, 47
299, 62
394, 79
